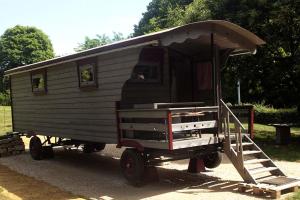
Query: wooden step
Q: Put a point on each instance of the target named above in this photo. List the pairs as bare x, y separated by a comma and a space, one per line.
263, 178
251, 152
254, 161
262, 169
243, 144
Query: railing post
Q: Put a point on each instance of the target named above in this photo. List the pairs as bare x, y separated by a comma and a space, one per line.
237, 143
240, 141
170, 132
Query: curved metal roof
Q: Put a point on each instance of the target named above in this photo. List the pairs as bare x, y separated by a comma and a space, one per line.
226, 36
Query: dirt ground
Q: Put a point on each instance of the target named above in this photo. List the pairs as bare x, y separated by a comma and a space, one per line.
15, 186
97, 176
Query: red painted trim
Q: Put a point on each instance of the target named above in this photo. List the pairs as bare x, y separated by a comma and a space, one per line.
252, 123
117, 107
131, 143
170, 132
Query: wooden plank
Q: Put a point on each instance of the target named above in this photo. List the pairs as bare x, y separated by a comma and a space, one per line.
44, 111
194, 125
151, 143
19, 116
153, 127
74, 134
142, 114
251, 152
67, 121
289, 185
262, 169
71, 94
255, 161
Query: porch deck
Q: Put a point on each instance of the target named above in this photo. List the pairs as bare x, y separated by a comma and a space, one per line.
168, 125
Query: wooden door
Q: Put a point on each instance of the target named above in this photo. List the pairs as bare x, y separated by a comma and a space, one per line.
203, 84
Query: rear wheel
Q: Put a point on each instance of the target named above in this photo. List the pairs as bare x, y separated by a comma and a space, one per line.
213, 160
35, 148
133, 166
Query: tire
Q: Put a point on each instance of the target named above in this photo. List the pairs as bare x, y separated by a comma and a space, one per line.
35, 148
213, 160
48, 152
88, 148
99, 146
133, 166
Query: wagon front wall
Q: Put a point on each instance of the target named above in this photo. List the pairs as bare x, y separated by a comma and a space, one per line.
68, 111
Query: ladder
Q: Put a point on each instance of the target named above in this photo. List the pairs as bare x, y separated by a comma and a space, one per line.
251, 162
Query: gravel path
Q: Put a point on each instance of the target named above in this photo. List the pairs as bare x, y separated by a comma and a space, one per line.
98, 176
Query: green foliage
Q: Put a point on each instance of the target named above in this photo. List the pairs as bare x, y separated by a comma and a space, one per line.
270, 115
273, 74
100, 40
5, 99
161, 14
22, 45
295, 197
196, 11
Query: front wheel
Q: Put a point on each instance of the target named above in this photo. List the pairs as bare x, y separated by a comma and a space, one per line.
213, 160
35, 148
133, 166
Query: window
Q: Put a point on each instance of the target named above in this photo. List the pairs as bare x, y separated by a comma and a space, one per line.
39, 82
149, 67
146, 72
87, 75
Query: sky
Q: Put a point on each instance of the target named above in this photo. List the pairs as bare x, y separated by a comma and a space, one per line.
67, 22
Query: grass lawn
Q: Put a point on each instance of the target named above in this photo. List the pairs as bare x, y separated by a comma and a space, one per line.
265, 138
295, 197
5, 119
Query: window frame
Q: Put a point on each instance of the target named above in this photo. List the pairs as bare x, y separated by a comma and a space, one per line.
149, 64
44, 75
90, 63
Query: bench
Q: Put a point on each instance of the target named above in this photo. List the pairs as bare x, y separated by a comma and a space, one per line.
283, 133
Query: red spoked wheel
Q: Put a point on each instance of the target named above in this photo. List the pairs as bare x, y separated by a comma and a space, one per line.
133, 166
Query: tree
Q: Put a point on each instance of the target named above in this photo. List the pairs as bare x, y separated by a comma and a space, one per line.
159, 15
272, 75
22, 45
100, 40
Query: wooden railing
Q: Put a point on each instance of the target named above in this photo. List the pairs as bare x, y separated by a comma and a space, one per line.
227, 114
163, 121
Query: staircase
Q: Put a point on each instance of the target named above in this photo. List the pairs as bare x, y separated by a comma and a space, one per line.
251, 162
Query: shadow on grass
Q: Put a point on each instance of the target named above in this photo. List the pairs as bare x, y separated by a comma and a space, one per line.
290, 152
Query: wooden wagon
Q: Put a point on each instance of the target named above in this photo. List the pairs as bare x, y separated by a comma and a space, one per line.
158, 95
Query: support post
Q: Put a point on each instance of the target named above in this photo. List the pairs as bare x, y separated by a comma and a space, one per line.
117, 107
196, 165
170, 132
239, 91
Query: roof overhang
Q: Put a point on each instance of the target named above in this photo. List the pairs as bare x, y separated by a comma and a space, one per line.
226, 36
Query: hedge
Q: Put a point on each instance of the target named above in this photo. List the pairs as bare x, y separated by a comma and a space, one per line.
269, 115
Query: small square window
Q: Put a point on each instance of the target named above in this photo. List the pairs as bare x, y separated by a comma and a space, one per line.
39, 82
87, 75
